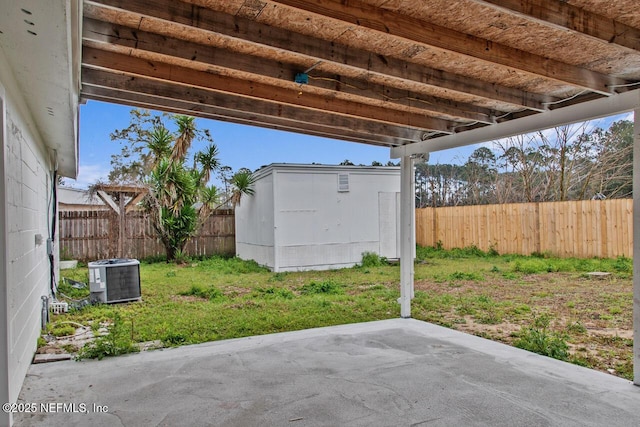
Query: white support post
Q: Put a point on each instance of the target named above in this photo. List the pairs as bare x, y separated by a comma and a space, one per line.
407, 234
636, 249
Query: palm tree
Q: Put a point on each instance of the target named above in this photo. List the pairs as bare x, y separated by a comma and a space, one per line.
242, 183
186, 133
159, 144
209, 162
174, 189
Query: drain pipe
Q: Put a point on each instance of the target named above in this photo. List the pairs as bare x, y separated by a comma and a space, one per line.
45, 312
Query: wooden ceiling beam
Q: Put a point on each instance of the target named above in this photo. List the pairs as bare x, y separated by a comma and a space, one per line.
353, 61
105, 32
256, 90
365, 15
566, 15
131, 100
149, 93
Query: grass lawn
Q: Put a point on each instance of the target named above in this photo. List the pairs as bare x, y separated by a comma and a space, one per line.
542, 304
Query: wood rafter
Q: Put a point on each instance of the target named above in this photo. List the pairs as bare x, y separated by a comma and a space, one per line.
388, 22
103, 32
223, 83
111, 87
574, 18
377, 72
356, 61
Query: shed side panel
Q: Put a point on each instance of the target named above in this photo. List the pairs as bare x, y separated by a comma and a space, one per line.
255, 224
318, 223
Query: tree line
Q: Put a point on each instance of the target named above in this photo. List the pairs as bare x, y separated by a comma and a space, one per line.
566, 163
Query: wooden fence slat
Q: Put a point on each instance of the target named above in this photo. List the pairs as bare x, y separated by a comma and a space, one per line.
584, 228
92, 235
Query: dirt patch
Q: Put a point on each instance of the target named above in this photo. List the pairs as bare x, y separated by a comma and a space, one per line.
593, 315
501, 330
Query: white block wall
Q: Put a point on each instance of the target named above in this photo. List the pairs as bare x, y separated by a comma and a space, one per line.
25, 193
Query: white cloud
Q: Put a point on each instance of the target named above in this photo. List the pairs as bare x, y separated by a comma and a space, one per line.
88, 174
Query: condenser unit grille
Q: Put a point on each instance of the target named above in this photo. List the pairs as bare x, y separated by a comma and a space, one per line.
123, 283
114, 280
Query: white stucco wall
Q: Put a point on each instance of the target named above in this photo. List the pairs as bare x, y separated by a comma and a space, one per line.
26, 192
298, 220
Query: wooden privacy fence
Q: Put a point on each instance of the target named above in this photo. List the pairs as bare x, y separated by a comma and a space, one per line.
583, 229
92, 235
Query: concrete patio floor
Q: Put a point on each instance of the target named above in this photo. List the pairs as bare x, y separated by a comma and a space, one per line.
400, 372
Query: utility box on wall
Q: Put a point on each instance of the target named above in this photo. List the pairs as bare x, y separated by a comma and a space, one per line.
318, 217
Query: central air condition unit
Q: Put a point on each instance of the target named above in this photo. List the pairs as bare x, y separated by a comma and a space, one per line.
114, 280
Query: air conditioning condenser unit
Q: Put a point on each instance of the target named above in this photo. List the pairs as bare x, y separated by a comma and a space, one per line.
114, 280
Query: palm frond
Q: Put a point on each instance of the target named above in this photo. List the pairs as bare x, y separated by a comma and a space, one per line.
209, 196
243, 184
186, 133
159, 144
209, 162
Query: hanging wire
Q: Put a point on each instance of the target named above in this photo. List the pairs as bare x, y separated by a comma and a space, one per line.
625, 85
465, 125
428, 135
336, 81
560, 101
386, 98
504, 115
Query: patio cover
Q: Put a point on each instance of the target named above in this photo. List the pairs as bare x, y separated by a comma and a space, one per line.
415, 76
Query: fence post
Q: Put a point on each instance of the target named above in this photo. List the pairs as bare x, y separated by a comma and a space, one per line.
537, 243
636, 249
122, 222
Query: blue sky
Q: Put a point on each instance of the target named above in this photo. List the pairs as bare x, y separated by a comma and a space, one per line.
239, 145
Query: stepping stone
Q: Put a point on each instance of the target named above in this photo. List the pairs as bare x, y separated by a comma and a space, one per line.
46, 358
598, 275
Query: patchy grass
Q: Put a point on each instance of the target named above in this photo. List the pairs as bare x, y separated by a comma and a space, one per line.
497, 297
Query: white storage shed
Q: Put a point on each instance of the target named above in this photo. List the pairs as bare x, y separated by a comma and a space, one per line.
318, 217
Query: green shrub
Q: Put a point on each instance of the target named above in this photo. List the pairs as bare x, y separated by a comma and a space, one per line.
211, 293
41, 342
424, 252
577, 328
532, 266
118, 340
174, 339
278, 277
623, 265
489, 317
62, 330
372, 259
538, 339
325, 287
67, 290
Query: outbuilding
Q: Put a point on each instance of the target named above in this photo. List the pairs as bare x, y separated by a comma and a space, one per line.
317, 217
